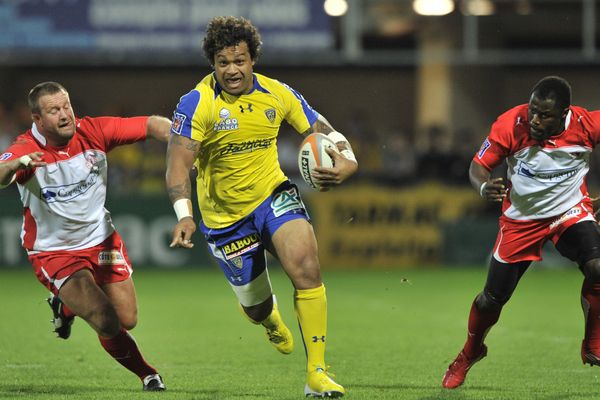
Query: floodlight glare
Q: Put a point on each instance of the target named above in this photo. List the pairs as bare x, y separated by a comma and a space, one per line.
433, 7
335, 8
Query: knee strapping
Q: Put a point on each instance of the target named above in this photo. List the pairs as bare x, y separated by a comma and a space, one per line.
591, 269
486, 301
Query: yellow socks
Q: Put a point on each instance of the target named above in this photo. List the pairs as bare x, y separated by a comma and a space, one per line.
311, 309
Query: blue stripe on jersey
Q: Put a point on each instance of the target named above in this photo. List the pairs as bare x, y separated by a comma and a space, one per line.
257, 86
309, 112
218, 89
182, 117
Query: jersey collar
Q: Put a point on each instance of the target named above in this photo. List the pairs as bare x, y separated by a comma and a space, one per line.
37, 135
256, 86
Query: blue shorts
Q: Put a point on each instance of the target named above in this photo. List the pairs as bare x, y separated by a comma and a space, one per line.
240, 248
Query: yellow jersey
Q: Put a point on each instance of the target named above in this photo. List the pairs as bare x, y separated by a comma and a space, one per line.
238, 166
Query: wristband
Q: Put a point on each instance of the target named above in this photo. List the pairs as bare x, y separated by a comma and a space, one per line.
25, 160
481, 189
336, 136
349, 155
183, 208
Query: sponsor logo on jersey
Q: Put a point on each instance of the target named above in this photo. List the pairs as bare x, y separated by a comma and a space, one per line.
224, 113
111, 257
240, 246
228, 124
572, 213
68, 192
286, 200
177, 124
271, 114
247, 147
550, 176
5, 156
484, 147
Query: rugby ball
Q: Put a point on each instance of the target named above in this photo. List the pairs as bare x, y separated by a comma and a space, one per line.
312, 154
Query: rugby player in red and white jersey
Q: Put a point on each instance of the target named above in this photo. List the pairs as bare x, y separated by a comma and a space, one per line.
60, 168
546, 144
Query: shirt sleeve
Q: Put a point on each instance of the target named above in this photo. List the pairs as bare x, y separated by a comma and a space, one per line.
495, 148
18, 148
189, 116
118, 131
595, 126
299, 113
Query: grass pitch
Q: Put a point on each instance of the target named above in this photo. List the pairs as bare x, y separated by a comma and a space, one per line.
391, 336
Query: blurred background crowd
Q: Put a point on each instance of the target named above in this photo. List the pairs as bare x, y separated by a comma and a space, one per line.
413, 84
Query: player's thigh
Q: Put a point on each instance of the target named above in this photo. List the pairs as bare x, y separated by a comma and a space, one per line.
123, 298
82, 295
295, 245
580, 242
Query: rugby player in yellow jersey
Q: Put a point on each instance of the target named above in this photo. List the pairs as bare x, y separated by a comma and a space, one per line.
227, 127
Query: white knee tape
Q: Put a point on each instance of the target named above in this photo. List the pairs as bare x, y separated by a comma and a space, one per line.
254, 292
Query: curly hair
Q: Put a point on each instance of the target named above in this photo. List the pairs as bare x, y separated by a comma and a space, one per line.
223, 32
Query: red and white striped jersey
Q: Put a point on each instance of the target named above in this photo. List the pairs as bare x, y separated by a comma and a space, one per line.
544, 179
63, 202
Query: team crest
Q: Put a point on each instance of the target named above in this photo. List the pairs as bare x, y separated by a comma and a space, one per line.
238, 262
271, 114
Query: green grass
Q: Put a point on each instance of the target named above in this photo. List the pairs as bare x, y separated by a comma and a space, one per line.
391, 336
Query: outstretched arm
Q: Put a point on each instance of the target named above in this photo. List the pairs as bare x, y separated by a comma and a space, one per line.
489, 189
181, 154
8, 169
158, 128
345, 163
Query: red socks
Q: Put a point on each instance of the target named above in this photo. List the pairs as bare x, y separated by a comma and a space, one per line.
124, 349
590, 303
479, 325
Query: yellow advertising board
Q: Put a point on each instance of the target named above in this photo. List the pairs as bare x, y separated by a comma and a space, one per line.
376, 227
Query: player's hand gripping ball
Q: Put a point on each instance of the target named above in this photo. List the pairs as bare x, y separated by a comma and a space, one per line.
312, 154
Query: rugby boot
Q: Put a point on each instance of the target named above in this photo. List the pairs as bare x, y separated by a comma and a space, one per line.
62, 324
457, 371
588, 356
320, 384
153, 383
278, 333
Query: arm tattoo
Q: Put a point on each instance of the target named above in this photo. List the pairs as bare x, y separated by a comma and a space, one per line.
189, 144
320, 126
183, 190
